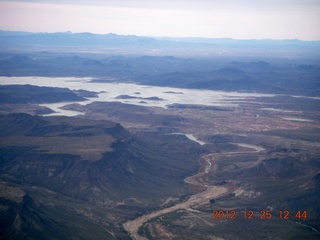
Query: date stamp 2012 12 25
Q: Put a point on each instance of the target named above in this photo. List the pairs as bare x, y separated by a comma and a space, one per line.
262, 214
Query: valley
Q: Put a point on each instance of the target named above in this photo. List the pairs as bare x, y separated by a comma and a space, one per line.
151, 148
208, 167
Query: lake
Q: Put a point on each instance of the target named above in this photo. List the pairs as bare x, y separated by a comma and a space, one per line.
134, 93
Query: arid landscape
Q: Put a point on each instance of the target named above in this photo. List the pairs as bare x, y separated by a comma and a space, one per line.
100, 146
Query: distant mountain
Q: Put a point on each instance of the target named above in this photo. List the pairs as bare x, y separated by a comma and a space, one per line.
257, 66
229, 73
120, 44
270, 66
258, 76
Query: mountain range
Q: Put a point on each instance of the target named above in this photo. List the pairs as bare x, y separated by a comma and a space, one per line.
115, 170
130, 44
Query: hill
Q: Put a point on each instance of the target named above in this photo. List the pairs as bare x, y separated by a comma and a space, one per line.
89, 164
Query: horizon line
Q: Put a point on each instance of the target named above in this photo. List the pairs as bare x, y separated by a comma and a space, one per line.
162, 37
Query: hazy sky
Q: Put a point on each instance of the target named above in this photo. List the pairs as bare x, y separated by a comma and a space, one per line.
240, 19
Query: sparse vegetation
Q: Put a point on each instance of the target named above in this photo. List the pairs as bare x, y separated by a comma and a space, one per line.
84, 177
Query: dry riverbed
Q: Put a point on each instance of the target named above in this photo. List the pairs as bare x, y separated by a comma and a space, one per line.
198, 199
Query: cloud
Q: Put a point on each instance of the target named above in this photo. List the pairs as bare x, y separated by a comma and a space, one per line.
275, 19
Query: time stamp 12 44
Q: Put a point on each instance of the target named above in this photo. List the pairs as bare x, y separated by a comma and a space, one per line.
262, 214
